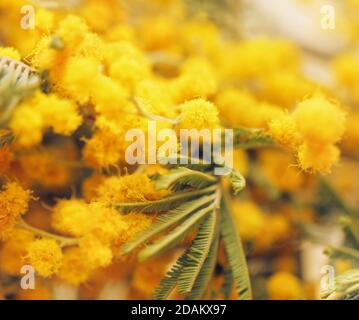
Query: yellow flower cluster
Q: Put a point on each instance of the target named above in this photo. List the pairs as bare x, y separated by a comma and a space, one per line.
106, 67
312, 130
14, 202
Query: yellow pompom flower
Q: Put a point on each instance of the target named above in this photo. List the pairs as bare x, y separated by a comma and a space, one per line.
197, 80
198, 114
109, 97
59, 114
136, 222
278, 167
72, 30
75, 268
95, 252
285, 88
311, 130
284, 286
79, 77
249, 219
319, 120
346, 69
44, 20
241, 108
135, 187
14, 201
283, 130
105, 147
45, 255
318, 158
13, 251
72, 217
27, 125
77, 218
128, 71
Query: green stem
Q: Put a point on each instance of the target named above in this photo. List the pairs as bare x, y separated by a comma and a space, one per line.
64, 241
174, 199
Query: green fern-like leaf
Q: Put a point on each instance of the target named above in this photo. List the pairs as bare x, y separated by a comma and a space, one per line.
183, 161
175, 236
227, 283
6, 137
177, 179
166, 221
343, 253
206, 273
17, 81
164, 204
197, 254
251, 138
238, 182
169, 281
235, 253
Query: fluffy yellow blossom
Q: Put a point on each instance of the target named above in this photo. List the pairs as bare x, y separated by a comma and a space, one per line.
104, 148
284, 286
79, 77
45, 57
45, 256
90, 186
136, 222
13, 202
319, 120
13, 251
101, 15
128, 71
247, 60
92, 46
283, 130
198, 114
249, 218
44, 20
96, 253
72, 30
197, 80
75, 269
157, 32
59, 114
72, 217
27, 124
285, 88
321, 159
156, 98
135, 187
279, 168
312, 130
109, 97
47, 167
77, 218
346, 68
240, 108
